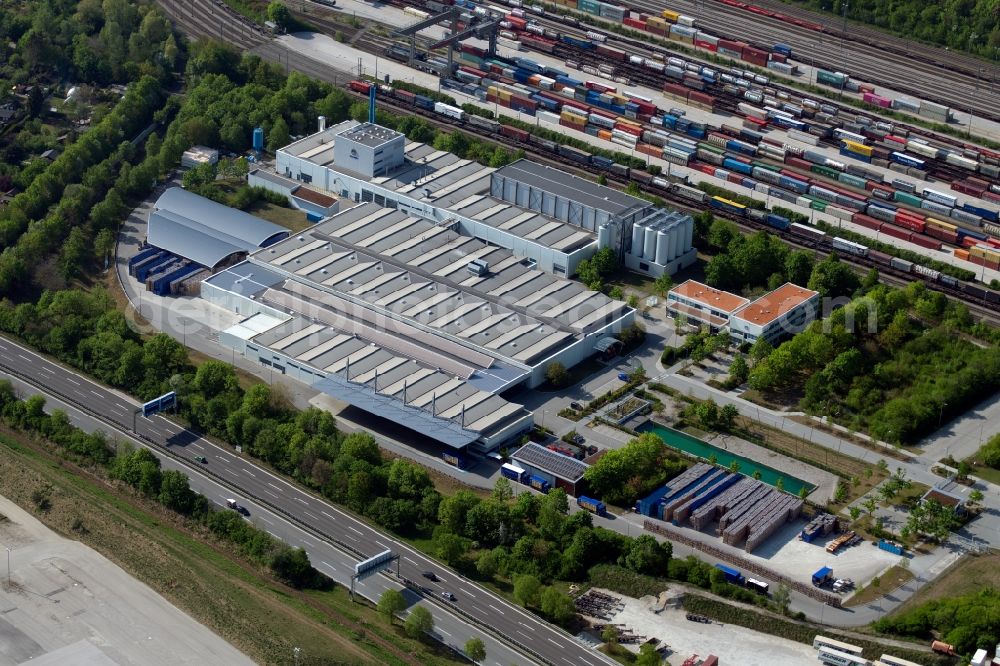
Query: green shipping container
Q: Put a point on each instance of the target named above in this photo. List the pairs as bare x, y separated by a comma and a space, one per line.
831, 78
769, 167
818, 205
589, 6
850, 179
906, 197
710, 148
824, 171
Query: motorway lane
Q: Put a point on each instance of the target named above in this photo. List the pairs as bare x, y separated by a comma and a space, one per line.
487, 609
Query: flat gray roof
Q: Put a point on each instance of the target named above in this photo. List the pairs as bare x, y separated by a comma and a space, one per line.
571, 187
556, 464
370, 135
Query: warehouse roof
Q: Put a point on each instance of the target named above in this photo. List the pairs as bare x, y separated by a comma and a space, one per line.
773, 305
571, 187
370, 135
223, 219
556, 464
721, 301
192, 240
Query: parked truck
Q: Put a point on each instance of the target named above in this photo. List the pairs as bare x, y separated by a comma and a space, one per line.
890, 546
731, 574
942, 648
822, 577
538, 483
592, 505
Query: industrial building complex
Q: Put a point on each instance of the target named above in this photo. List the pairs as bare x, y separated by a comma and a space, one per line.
430, 288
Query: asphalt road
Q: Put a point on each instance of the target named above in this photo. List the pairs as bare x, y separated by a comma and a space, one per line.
301, 519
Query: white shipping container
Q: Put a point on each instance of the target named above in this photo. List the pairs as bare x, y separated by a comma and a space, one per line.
547, 117
509, 43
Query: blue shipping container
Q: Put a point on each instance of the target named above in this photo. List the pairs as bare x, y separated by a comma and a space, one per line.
731, 574
855, 156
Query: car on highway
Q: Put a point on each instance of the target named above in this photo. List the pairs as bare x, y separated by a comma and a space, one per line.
448, 595
431, 576
202, 459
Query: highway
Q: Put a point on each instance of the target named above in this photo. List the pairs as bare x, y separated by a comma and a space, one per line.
302, 519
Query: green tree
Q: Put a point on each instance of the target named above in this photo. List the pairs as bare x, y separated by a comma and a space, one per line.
527, 589
279, 135
832, 278
279, 14
798, 267
451, 548
739, 370
781, 597
104, 245
391, 603
503, 491
419, 622
292, 565
662, 285
727, 417
760, 350
556, 606
855, 512
557, 375
610, 634
707, 413
487, 564
648, 656
976, 497
475, 649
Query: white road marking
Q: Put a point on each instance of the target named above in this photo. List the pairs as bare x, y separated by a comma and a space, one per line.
409, 560
327, 515
72, 381
197, 446
280, 539
269, 522
274, 486
351, 537
25, 358
99, 395
354, 529
270, 493
443, 631
302, 500
310, 515
471, 594
332, 568
250, 473
381, 544
554, 643
496, 609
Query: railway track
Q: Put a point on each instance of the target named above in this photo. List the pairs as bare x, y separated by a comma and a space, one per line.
914, 72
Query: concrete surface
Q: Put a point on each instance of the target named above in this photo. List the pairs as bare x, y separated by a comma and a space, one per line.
68, 604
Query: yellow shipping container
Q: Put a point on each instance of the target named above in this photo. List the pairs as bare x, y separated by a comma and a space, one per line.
859, 148
656, 21
988, 253
931, 222
671, 15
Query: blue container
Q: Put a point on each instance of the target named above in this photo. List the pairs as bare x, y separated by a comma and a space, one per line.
777, 221
793, 184
424, 102
783, 49
984, 213
737, 166
855, 156
732, 575
144, 254
882, 204
258, 139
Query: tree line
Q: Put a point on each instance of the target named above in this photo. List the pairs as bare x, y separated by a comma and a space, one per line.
140, 470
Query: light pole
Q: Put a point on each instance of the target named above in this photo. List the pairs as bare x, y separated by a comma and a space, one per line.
8, 566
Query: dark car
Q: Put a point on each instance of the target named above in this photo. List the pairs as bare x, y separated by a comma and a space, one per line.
201, 459
578, 439
577, 406
430, 575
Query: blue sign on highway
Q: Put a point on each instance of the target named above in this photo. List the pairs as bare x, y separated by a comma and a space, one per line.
165, 401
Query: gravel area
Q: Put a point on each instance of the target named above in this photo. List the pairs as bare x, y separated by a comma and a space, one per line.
730, 643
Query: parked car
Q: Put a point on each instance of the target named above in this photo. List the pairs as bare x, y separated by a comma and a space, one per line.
578, 439
622, 376
577, 406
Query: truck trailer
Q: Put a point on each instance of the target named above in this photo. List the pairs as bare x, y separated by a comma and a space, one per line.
822, 577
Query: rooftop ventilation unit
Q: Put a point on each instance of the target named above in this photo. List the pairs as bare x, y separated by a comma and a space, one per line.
478, 267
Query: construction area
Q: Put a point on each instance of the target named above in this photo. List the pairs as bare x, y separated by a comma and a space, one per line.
67, 604
748, 511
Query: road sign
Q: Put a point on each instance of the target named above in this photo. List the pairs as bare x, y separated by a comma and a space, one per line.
372, 565
165, 401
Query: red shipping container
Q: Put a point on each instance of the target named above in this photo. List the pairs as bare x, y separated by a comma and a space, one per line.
647, 149
736, 178
702, 98
708, 46
925, 241
978, 182
518, 22
991, 196
676, 89
865, 221
630, 129
755, 56
907, 223
895, 232
756, 122
798, 163
779, 57
635, 23
942, 234
967, 188
656, 30
895, 139
578, 105
730, 44
704, 168
968, 241
866, 88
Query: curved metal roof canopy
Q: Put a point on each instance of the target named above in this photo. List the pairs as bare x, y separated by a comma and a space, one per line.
204, 231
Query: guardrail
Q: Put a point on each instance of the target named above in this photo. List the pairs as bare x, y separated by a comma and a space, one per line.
411, 585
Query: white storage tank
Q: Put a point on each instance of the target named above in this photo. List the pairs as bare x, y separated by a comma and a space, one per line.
675, 231
603, 237
637, 240
649, 247
688, 236
662, 247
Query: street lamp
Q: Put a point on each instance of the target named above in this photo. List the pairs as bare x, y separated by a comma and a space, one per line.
8, 567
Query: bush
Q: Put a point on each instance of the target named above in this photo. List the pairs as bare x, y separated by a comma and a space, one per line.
625, 581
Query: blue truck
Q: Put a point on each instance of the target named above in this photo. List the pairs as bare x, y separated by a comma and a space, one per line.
823, 576
731, 574
538, 483
890, 546
592, 505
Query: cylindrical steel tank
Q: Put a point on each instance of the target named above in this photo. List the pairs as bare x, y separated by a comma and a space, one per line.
649, 245
637, 240
662, 247
603, 237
